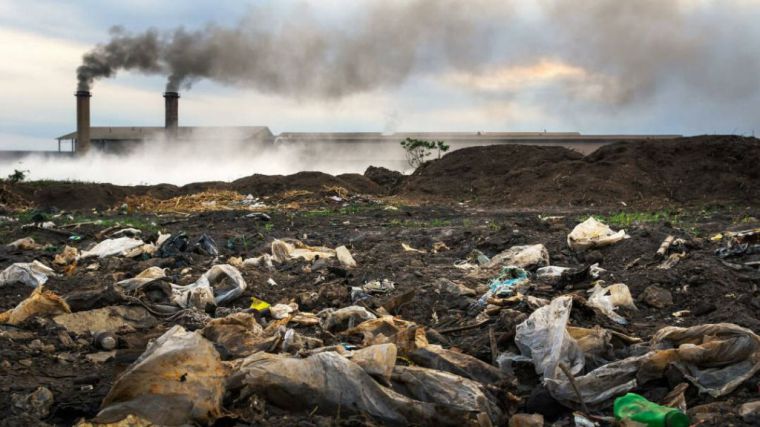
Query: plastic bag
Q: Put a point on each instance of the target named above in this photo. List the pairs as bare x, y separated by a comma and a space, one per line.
238, 334
463, 365
544, 338
503, 285
591, 234
68, 255
32, 274
112, 247
344, 256
377, 360
148, 275
716, 358
221, 283
283, 251
444, 388
179, 379
39, 303
206, 246
327, 382
609, 298
25, 244
526, 256
344, 318
169, 246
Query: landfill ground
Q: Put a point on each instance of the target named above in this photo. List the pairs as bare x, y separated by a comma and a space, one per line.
700, 288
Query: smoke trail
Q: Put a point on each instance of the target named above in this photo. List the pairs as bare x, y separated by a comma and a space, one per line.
124, 51
296, 55
626, 51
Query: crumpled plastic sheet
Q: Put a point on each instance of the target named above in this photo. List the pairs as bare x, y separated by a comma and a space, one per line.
112, 247
593, 234
544, 338
328, 381
207, 289
179, 379
716, 358
609, 298
31, 274
524, 256
40, 303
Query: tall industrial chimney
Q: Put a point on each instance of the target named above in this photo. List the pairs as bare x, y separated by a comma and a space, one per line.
83, 121
172, 113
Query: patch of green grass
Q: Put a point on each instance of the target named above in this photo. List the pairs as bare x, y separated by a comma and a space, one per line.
145, 224
269, 226
409, 223
626, 219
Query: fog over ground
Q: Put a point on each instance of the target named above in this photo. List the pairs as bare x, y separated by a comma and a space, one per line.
593, 66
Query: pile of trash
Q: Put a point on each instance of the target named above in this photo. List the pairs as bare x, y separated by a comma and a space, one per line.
214, 349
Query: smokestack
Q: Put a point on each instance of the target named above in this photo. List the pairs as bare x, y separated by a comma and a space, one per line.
83, 121
172, 113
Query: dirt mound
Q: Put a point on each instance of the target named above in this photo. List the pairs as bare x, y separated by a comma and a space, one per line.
388, 179
263, 185
687, 170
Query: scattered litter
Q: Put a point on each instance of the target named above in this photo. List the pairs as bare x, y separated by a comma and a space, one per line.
32, 274
634, 407
379, 287
281, 311
112, 247
593, 234
505, 284
608, 299
25, 244
172, 245
260, 261
41, 303
344, 256
206, 246
220, 284
259, 305
344, 318
283, 251
408, 248
528, 257
179, 379
68, 255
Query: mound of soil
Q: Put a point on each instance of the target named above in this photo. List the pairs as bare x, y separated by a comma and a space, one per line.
694, 170
83, 196
388, 179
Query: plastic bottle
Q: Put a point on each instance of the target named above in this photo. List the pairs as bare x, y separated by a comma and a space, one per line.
639, 409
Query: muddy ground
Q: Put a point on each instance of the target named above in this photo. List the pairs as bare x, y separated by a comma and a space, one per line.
704, 288
34, 354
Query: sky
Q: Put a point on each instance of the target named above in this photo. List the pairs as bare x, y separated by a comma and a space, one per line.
592, 66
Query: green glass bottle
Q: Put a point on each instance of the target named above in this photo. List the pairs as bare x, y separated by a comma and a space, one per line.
637, 408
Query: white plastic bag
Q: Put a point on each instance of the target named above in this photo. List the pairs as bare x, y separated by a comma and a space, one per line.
591, 234
31, 274
208, 288
544, 338
525, 256
111, 247
609, 298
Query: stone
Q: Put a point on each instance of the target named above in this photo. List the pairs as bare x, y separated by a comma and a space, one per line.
526, 420
657, 297
36, 404
110, 319
101, 357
